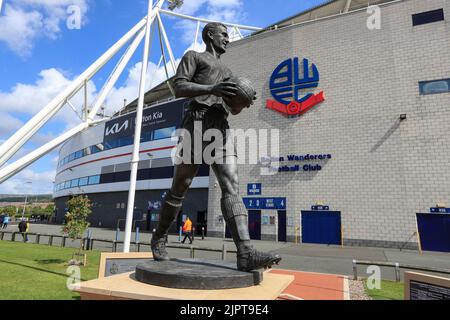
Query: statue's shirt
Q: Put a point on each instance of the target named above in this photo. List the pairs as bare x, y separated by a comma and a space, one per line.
203, 68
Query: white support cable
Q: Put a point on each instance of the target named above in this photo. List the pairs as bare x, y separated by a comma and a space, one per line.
239, 32
232, 35
74, 109
196, 35
166, 40
155, 71
163, 56
116, 73
138, 127
19, 165
179, 15
14, 143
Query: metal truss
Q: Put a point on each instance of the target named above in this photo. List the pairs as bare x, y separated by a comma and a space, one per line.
141, 31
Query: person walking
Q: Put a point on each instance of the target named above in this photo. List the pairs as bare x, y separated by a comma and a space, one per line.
5, 222
187, 231
23, 229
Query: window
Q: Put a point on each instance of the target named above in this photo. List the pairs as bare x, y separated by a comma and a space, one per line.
79, 154
126, 141
74, 183
84, 182
67, 185
95, 149
164, 133
94, 180
434, 87
146, 136
71, 157
428, 17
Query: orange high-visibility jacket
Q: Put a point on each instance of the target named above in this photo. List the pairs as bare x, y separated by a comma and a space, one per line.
187, 227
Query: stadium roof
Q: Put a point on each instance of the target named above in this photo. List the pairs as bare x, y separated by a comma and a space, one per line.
327, 9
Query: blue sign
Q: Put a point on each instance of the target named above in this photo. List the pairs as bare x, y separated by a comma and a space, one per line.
440, 210
254, 189
265, 203
320, 208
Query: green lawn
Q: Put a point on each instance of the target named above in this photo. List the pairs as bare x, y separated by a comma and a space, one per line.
389, 291
38, 272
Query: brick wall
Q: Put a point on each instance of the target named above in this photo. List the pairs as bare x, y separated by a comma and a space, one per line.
383, 170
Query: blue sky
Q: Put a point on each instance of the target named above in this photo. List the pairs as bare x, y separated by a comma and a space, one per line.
39, 56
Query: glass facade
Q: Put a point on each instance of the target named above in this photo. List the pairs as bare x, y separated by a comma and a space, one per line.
159, 134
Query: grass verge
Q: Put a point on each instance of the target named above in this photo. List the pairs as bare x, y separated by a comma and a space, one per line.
38, 272
389, 291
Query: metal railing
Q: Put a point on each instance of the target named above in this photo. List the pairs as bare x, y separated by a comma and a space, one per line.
89, 242
397, 267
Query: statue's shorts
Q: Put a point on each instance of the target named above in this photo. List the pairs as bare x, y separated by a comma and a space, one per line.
206, 137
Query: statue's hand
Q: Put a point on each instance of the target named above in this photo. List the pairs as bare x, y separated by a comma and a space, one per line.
225, 89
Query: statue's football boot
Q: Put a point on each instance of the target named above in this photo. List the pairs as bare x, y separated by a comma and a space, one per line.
252, 259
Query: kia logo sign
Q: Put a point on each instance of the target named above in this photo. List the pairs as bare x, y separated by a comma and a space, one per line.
292, 85
116, 128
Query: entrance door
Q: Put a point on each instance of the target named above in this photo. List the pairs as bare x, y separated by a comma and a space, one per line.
434, 231
201, 223
254, 224
282, 226
322, 227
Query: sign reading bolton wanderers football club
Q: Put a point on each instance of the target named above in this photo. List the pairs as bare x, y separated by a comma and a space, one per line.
291, 86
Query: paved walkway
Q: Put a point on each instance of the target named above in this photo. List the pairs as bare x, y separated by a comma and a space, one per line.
314, 286
301, 257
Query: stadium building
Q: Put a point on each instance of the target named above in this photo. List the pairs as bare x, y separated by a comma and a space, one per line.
360, 98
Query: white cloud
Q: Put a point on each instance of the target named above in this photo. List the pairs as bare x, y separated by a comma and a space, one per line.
218, 10
24, 21
41, 182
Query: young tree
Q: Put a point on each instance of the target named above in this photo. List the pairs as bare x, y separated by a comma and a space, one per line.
76, 224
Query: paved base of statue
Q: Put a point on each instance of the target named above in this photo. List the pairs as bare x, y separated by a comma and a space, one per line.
198, 274
126, 287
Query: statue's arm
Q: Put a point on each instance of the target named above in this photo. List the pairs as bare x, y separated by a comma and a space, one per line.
185, 87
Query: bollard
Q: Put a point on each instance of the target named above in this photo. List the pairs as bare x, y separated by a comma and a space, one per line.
63, 242
192, 253
50, 240
397, 272
355, 270
224, 252
180, 234
137, 235
38, 238
88, 239
13, 237
203, 233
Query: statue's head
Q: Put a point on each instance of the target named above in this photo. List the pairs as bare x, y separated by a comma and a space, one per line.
216, 35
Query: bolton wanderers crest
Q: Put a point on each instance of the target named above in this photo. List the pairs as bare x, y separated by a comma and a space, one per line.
292, 85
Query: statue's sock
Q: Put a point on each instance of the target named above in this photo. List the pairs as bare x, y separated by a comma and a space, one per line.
169, 212
236, 218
